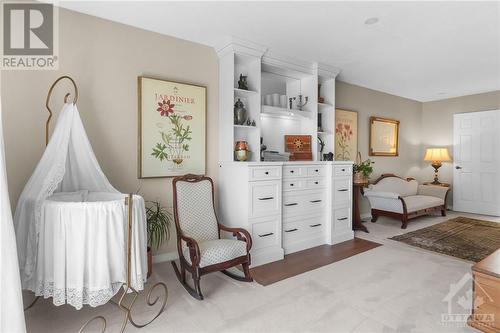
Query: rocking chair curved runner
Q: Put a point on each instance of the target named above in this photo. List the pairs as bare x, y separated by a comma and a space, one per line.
199, 243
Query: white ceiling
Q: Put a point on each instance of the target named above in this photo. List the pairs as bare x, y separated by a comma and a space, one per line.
420, 50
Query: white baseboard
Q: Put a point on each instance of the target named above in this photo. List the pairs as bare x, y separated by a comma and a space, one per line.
164, 257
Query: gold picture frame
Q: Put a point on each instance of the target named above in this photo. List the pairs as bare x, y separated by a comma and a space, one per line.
384, 137
172, 119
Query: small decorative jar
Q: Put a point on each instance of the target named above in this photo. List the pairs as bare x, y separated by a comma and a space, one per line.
241, 151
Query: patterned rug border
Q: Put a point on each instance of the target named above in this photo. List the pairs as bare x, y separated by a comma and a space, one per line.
403, 238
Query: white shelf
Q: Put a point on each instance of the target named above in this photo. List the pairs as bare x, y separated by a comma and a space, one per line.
325, 106
277, 111
325, 132
245, 127
243, 92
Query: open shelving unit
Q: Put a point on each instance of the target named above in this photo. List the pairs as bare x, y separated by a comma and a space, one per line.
268, 74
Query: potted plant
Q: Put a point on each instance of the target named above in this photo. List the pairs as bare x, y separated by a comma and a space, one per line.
158, 223
362, 170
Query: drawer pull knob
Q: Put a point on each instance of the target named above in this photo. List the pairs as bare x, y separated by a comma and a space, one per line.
268, 234
315, 225
267, 172
316, 183
342, 219
291, 171
291, 184
343, 169
291, 230
314, 201
291, 204
343, 190
316, 170
266, 198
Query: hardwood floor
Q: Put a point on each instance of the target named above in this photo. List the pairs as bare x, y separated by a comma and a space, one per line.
307, 260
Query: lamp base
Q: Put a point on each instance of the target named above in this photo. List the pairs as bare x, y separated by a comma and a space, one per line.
436, 165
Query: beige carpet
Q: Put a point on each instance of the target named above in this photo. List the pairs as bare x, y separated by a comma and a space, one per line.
461, 237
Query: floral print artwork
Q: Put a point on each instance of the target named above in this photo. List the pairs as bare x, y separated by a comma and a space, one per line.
346, 145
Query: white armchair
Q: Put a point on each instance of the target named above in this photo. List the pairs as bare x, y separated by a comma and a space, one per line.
404, 199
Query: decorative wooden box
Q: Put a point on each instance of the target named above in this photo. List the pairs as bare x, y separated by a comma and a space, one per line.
299, 147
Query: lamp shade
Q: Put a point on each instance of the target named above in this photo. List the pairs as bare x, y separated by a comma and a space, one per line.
437, 154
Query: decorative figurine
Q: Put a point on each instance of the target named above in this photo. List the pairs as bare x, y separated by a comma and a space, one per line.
291, 102
253, 123
320, 99
242, 82
249, 122
320, 122
240, 113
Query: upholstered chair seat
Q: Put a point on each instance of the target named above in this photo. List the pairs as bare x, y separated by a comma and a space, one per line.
217, 251
199, 244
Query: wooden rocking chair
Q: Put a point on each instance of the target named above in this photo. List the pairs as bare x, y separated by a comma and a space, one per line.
201, 250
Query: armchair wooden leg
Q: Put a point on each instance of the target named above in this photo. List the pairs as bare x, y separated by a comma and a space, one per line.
196, 293
374, 217
246, 270
443, 211
404, 221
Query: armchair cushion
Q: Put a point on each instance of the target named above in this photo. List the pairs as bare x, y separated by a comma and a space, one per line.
195, 207
217, 251
419, 202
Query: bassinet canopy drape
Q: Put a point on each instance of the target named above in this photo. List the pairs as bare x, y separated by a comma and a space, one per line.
71, 224
11, 302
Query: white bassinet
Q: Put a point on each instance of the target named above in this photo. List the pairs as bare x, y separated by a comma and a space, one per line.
71, 224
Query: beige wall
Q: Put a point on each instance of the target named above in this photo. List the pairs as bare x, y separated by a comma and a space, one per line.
437, 121
105, 59
369, 103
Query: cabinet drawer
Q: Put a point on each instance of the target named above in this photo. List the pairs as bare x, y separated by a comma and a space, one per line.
316, 171
265, 233
293, 232
342, 218
304, 202
265, 198
342, 190
312, 184
295, 184
294, 171
342, 170
264, 173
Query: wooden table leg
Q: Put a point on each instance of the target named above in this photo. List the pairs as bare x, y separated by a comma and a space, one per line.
357, 224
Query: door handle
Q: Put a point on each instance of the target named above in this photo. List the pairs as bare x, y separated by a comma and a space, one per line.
458, 167
268, 198
291, 204
268, 234
291, 230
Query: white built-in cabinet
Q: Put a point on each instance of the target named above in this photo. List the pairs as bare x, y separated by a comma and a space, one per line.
286, 206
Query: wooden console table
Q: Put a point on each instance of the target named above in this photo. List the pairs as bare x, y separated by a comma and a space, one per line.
486, 302
357, 191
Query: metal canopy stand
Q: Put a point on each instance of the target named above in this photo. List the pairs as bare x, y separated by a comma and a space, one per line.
126, 288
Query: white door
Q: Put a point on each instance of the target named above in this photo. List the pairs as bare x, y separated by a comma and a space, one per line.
476, 162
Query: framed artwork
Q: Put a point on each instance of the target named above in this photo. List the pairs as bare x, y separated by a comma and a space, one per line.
384, 135
346, 135
172, 128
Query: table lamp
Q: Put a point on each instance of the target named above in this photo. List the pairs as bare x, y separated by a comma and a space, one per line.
436, 156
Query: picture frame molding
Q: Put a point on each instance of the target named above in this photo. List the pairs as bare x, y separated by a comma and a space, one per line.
139, 122
385, 120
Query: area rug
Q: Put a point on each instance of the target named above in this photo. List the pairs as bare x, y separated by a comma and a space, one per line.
307, 260
461, 237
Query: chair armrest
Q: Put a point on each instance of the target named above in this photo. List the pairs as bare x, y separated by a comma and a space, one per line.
433, 191
194, 250
240, 234
379, 194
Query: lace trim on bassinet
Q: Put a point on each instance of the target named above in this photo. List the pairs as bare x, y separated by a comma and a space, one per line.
77, 297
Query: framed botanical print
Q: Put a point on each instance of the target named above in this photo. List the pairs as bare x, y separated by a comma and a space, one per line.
384, 135
172, 128
346, 135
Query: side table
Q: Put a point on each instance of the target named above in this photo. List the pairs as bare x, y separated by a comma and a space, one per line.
357, 191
